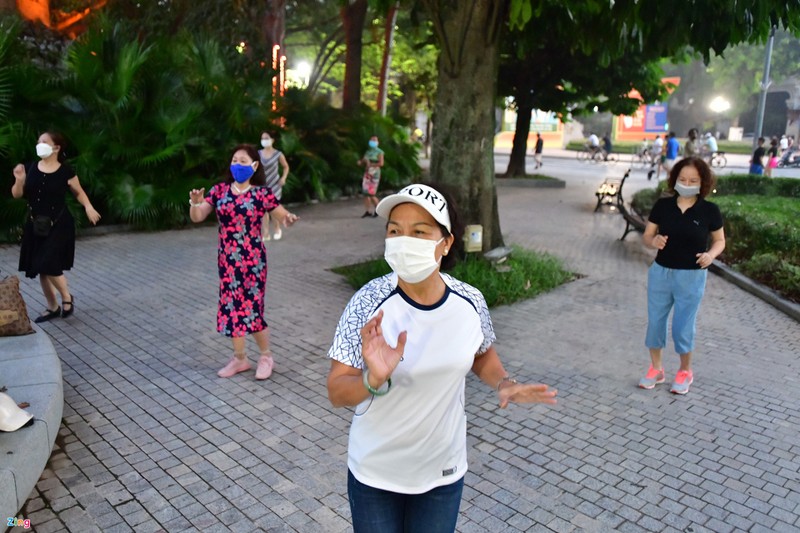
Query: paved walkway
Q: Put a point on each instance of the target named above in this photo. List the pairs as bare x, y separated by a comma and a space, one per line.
152, 440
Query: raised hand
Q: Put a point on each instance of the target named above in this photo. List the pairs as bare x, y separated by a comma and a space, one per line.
289, 219
704, 259
526, 393
379, 357
196, 195
19, 172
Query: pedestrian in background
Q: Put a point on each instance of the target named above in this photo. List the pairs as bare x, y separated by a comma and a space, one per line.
48, 237
669, 155
679, 227
537, 151
607, 146
240, 202
757, 161
270, 160
772, 156
657, 156
690, 148
373, 162
400, 355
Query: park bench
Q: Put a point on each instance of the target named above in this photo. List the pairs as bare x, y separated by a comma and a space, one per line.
608, 192
634, 221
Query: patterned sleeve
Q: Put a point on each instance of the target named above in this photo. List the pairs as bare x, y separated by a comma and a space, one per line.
346, 346
267, 198
213, 194
486, 323
475, 297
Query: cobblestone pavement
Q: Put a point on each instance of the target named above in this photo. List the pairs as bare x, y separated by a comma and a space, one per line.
152, 440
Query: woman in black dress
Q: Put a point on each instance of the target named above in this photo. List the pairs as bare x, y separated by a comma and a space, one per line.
48, 239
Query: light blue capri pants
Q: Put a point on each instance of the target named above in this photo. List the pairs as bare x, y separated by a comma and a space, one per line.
681, 289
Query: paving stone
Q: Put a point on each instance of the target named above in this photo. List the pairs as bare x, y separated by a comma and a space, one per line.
147, 421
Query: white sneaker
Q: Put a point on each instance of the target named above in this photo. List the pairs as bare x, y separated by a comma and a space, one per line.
277, 235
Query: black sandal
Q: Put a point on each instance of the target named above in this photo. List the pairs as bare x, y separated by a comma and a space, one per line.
64, 312
49, 315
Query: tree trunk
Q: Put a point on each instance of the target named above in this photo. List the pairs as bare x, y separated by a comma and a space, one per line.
353, 15
519, 149
464, 121
388, 43
273, 29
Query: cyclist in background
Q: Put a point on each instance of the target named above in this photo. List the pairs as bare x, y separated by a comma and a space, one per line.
594, 143
711, 145
607, 146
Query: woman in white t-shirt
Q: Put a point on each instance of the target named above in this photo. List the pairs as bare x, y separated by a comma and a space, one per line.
400, 355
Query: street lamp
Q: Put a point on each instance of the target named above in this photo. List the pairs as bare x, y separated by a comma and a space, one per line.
719, 104
304, 70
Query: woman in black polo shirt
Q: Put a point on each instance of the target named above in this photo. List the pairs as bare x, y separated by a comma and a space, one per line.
679, 227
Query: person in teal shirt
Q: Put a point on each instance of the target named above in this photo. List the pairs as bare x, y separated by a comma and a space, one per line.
373, 161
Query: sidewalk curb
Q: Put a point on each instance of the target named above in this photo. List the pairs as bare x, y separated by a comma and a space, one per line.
765, 293
552, 183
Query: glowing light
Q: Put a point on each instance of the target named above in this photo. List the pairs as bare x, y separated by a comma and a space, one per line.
241, 47
719, 105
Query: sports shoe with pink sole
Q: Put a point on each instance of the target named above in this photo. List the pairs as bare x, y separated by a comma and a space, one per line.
683, 379
652, 378
233, 367
264, 368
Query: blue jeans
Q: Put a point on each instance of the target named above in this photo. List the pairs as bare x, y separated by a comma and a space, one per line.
381, 511
755, 168
669, 288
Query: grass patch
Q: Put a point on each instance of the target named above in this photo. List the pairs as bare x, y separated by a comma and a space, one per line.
543, 177
631, 147
531, 273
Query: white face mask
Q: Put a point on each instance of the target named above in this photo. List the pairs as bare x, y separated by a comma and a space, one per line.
412, 259
686, 190
44, 150
266, 143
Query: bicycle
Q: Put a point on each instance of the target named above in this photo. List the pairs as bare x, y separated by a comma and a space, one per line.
715, 159
718, 160
642, 158
589, 154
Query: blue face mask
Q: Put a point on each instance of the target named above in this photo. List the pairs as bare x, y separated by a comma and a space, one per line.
373, 144
241, 173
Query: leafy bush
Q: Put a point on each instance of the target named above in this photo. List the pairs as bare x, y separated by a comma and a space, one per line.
761, 231
759, 185
643, 200
771, 270
757, 224
530, 274
149, 118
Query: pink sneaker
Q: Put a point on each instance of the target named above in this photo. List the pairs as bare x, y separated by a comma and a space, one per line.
264, 368
652, 378
233, 367
683, 379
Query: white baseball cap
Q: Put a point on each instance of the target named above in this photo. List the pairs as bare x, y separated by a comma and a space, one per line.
424, 196
11, 416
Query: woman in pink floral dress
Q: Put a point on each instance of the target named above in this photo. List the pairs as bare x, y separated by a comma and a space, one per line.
241, 202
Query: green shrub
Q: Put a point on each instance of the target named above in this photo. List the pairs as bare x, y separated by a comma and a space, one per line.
643, 200
761, 230
149, 118
530, 274
770, 269
758, 224
760, 185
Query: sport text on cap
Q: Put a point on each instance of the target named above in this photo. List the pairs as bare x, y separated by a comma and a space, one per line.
424, 196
